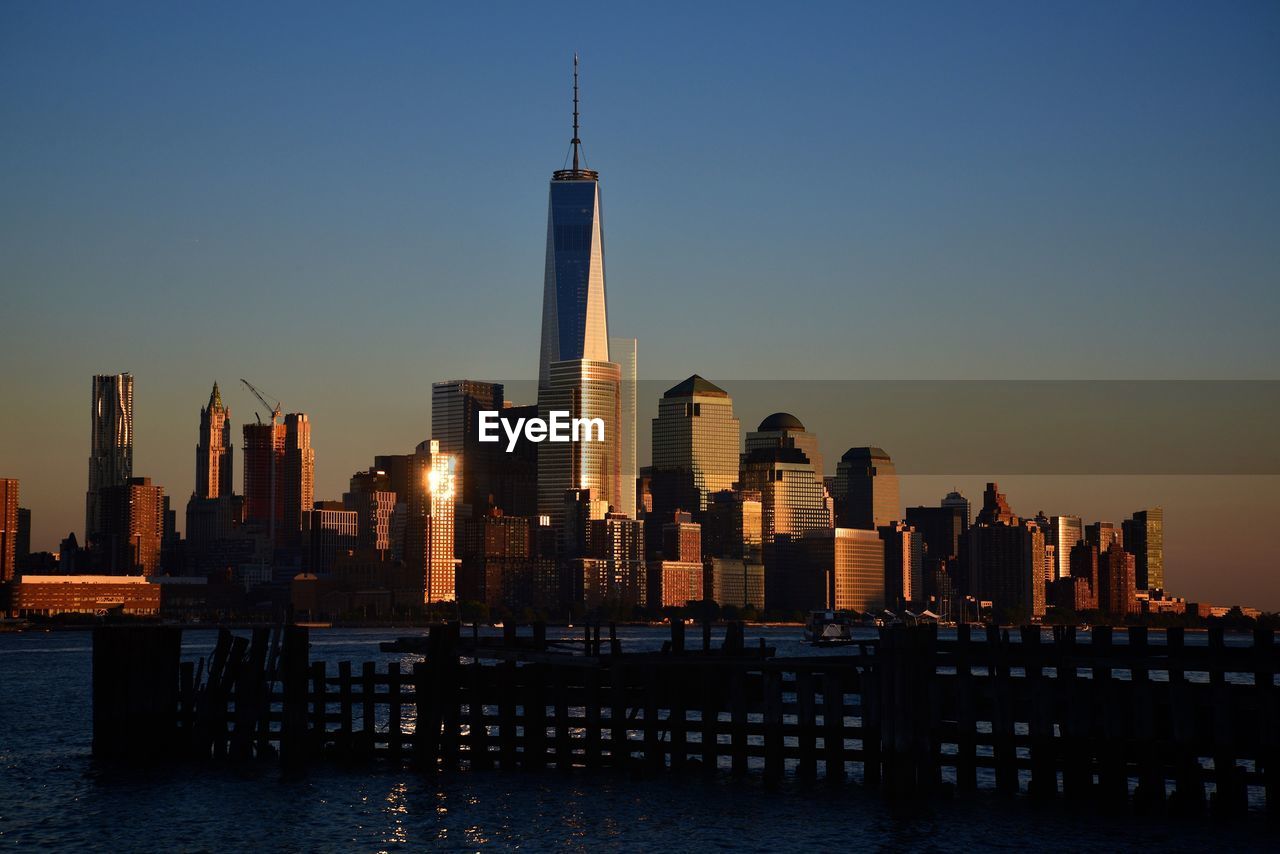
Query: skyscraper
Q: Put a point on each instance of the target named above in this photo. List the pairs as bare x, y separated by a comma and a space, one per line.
587, 390
8, 528
903, 565
1144, 539
575, 374
791, 499
1117, 583
955, 500
784, 430
455, 413
132, 527
574, 320
866, 489
110, 443
995, 508
1102, 535
213, 451
298, 479
432, 516
623, 351
1006, 567
1063, 534
695, 441
263, 465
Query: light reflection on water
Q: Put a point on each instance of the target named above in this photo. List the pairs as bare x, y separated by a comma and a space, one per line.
51, 794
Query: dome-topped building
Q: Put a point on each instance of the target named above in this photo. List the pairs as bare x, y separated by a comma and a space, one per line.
784, 430
780, 421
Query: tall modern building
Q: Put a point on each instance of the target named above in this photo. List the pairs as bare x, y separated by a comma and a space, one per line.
263, 466
279, 477
695, 442
297, 482
8, 528
432, 513
586, 390
623, 352
213, 451
455, 414
1144, 539
866, 489
575, 374
110, 444
574, 320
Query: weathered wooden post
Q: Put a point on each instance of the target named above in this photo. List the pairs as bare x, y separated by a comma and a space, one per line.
1264, 681
293, 677
135, 691
1188, 792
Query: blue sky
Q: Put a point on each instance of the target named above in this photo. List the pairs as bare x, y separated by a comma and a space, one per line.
345, 202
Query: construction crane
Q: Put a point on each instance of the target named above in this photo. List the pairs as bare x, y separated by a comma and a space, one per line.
273, 408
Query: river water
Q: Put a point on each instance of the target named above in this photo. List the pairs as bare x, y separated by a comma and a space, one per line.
52, 795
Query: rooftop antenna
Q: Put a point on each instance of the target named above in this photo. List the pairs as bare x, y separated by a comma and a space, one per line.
575, 141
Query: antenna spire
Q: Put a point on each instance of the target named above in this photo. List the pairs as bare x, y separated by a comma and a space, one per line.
575, 141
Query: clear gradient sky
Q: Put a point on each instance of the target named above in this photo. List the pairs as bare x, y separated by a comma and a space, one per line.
344, 203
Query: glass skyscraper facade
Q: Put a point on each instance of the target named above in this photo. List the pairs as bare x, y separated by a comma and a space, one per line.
574, 321
624, 356
584, 389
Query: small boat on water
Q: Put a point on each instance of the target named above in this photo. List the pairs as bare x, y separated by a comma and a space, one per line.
828, 628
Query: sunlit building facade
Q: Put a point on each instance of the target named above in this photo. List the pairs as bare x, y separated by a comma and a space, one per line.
696, 438
8, 528
784, 430
585, 390
214, 449
622, 352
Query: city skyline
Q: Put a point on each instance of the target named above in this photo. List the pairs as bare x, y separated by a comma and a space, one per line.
402, 400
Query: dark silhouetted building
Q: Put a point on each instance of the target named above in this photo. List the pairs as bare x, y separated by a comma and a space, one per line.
328, 530
903, 565
374, 502
23, 550
866, 492
1005, 562
132, 520
455, 418
995, 508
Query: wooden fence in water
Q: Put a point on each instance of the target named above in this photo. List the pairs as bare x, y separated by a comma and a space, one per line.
1151, 725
